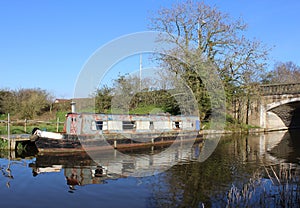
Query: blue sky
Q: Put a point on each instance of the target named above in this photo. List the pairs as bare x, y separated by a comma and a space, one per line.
45, 43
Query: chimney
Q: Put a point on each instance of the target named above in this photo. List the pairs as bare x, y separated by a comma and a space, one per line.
73, 107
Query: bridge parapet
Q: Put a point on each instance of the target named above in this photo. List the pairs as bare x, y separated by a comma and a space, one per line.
280, 89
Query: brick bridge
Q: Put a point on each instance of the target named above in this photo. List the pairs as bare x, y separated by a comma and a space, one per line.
278, 108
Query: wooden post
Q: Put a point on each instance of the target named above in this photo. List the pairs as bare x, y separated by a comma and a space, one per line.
25, 125
8, 131
57, 124
13, 144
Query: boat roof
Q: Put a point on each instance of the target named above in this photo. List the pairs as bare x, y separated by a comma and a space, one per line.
135, 115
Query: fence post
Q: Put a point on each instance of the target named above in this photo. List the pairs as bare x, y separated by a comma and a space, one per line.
57, 124
25, 125
8, 131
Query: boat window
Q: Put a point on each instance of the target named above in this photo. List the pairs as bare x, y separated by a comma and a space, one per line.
177, 124
129, 125
151, 126
128, 166
99, 125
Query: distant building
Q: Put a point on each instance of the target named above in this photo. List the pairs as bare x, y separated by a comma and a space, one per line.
62, 100
62, 104
84, 104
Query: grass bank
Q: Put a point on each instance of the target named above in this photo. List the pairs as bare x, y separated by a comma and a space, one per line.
23, 126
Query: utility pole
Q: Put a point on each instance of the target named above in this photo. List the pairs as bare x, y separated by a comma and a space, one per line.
141, 72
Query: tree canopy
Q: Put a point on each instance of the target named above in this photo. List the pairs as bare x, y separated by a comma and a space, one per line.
204, 34
25, 103
283, 72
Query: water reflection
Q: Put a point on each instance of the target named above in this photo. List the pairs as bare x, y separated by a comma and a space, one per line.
243, 171
6, 169
288, 149
260, 170
6, 172
82, 169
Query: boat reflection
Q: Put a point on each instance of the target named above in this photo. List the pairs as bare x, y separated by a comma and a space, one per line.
78, 168
98, 167
88, 175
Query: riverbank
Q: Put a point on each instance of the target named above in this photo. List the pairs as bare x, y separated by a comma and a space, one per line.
244, 130
18, 141
236, 131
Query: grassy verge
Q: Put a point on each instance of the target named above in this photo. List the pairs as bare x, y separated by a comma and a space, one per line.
151, 109
19, 129
48, 124
230, 125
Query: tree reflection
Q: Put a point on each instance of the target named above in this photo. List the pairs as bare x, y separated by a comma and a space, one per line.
237, 174
6, 170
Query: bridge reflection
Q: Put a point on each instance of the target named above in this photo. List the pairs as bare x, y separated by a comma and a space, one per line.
288, 148
276, 147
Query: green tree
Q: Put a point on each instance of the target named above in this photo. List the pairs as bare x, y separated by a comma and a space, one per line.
7, 101
126, 97
25, 103
103, 99
33, 102
125, 88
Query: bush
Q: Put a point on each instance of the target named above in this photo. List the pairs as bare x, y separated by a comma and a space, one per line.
3, 144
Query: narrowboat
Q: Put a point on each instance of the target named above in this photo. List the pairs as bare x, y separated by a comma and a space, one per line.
88, 131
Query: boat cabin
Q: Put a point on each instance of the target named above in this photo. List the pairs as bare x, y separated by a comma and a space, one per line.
86, 123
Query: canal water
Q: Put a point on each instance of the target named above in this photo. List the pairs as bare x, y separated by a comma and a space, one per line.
260, 170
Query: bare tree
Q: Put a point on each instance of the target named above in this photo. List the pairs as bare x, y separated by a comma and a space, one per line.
203, 34
287, 72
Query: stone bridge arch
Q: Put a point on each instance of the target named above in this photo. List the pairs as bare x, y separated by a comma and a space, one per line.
284, 114
280, 106
282, 102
